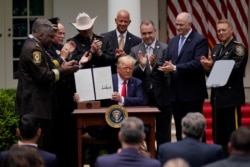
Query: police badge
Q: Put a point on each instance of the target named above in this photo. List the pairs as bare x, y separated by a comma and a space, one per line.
114, 115
239, 50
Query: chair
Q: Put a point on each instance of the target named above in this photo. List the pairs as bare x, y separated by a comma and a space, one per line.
92, 148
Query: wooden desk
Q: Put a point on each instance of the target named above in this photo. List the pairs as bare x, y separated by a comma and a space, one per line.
88, 117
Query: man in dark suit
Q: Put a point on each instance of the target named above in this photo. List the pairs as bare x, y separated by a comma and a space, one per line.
187, 85
228, 99
239, 150
121, 39
29, 133
63, 103
133, 97
150, 54
190, 148
131, 135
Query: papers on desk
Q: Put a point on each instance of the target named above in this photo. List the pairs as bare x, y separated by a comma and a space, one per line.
94, 83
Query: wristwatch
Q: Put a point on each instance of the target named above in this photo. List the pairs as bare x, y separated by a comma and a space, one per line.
174, 68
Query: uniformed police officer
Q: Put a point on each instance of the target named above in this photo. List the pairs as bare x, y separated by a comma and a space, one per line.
36, 74
228, 99
64, 122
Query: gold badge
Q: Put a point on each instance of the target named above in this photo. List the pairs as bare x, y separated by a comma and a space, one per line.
37, 57
114, 115
239, 50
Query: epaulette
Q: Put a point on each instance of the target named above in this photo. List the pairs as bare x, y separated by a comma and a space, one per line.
237, 42
37, 45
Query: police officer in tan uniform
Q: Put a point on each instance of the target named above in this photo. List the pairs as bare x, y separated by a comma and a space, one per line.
228, 99
36, 74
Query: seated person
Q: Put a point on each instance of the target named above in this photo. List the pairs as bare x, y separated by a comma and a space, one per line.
131, 135
29, 133
239, 149
132, 96
191, 148
176, 162
23, 156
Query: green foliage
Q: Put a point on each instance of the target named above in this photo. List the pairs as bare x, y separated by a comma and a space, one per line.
8, 119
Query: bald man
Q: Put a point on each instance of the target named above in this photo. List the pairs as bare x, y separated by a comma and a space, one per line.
122, 21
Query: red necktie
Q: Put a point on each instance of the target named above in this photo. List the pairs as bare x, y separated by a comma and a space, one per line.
124, 89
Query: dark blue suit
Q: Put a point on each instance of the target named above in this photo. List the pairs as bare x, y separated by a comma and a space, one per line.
128, 157
196, 153
134, 92
134, 98
130, 41
50, 159
187, 85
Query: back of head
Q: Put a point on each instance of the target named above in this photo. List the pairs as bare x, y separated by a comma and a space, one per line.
193, 124
132, 131
240, 139
176, 162
23, 156
28, 126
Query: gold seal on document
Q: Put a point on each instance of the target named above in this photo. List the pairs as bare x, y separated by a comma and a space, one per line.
115, 114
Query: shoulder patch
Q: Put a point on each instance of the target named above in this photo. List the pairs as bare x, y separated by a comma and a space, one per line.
239, 50
37, 57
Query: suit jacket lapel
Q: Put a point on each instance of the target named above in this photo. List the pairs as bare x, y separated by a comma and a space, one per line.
115, 82
157, 48
187, 42
114, 39
175, 58
130, 86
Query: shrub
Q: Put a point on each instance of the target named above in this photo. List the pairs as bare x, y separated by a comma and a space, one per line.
8, 119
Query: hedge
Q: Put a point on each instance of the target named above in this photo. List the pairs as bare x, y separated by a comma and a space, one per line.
8, 119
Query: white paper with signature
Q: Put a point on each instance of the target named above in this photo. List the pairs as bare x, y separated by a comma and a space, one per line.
94, 87
103, 82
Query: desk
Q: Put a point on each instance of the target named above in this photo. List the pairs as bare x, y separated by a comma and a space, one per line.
90, 117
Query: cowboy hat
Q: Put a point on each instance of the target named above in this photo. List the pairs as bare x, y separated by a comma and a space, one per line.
83, 21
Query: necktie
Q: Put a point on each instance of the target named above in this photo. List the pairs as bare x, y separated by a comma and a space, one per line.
121, 42
149, 50
124, 89
181, 42
222, 48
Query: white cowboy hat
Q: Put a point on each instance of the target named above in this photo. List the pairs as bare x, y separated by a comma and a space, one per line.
83, 21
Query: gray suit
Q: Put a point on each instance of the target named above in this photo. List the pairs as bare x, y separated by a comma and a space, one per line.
155, 88
232, 161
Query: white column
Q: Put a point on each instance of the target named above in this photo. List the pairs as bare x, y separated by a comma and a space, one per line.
132, 6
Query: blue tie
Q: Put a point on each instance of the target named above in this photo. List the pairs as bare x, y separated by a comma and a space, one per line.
181, 42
